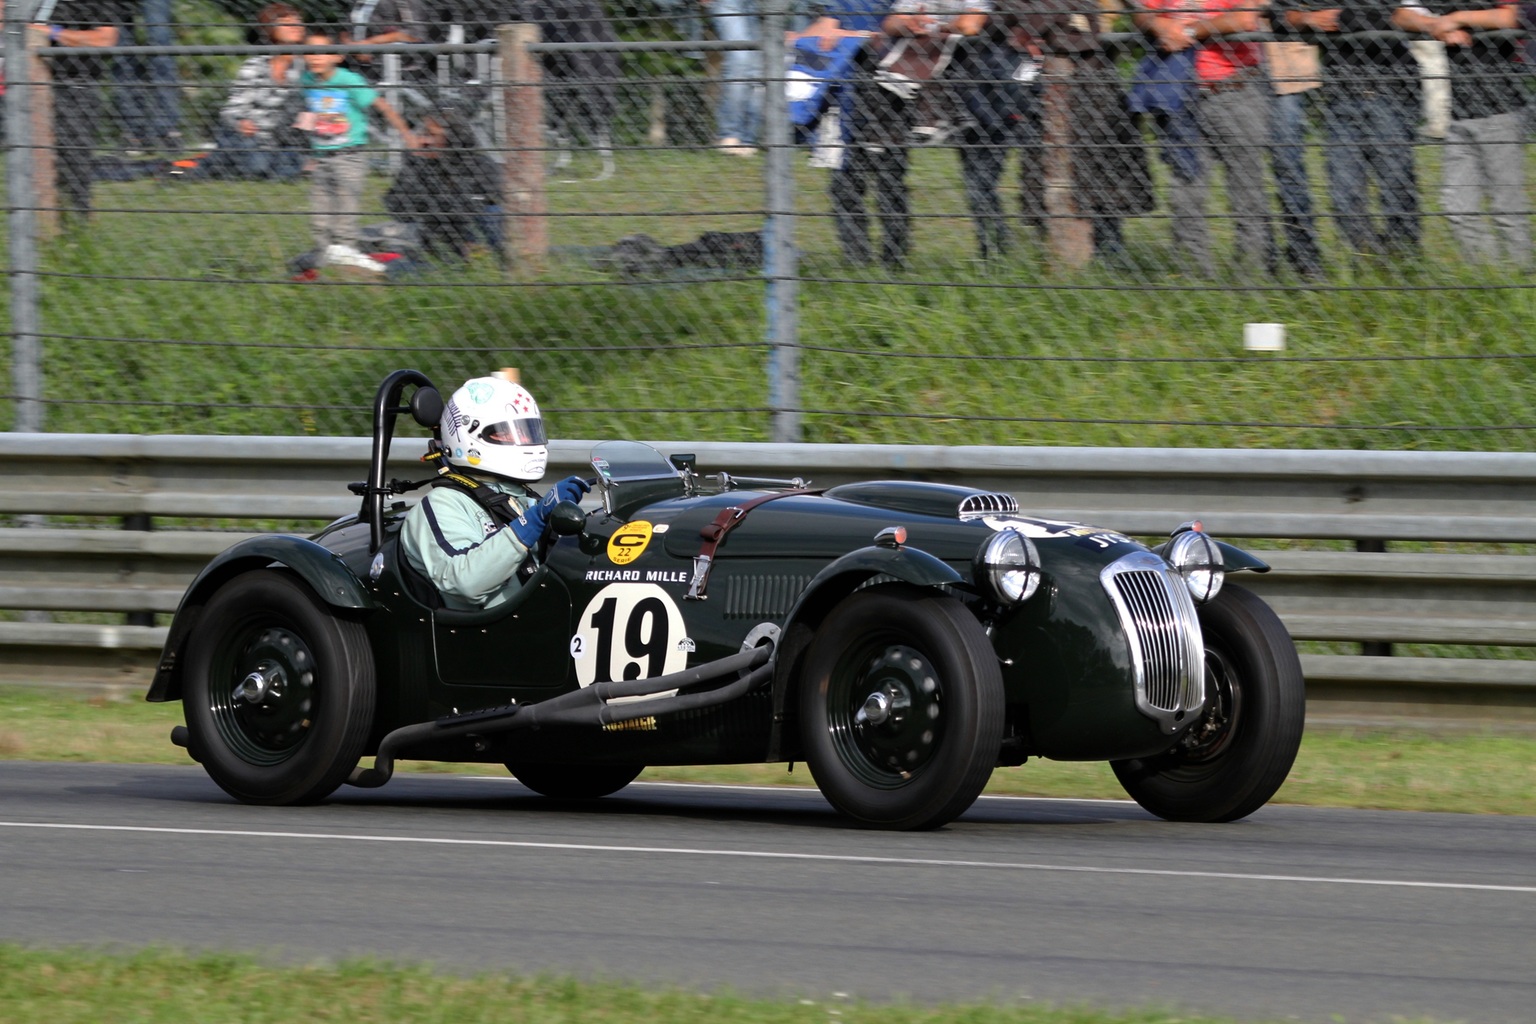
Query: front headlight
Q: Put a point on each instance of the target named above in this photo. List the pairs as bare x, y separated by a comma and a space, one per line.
1008, 567
1197, 559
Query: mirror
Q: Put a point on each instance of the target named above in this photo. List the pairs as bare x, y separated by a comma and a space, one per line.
567, 519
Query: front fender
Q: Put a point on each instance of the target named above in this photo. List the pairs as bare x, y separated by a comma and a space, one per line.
910, 565
1233, 558
319, 567
836, 581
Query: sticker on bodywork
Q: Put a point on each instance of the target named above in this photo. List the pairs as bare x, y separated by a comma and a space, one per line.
629, 542
629, 631
1045, 529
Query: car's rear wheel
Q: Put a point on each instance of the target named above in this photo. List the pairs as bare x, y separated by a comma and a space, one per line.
279, 691
574, 781
1240, 752
901, 708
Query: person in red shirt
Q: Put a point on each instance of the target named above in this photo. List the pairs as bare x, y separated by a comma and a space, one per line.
1226, 122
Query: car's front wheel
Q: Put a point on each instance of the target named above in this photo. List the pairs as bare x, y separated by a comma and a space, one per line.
901, 708
574, 781
278, 692
1233, 760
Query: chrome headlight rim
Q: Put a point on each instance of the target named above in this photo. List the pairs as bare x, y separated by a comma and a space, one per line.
1196, 557
1007, 567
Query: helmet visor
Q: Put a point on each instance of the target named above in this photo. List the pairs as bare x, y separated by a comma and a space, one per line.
523, 432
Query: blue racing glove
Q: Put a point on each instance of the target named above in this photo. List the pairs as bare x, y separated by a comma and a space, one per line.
569, 489
529, 527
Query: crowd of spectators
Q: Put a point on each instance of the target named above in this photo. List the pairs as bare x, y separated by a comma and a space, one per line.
1233, 85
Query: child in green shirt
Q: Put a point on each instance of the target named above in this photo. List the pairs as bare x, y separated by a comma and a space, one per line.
336, 105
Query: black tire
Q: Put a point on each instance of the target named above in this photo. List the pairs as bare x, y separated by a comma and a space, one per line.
301, 739
901, 708
1232, 761
575, 781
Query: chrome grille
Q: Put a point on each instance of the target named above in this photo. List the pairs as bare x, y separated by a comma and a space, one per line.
1163, 631
988, 505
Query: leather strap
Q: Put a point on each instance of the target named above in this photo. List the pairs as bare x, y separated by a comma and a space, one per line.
714, 532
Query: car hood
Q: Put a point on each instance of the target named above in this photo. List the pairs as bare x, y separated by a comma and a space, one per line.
845, 518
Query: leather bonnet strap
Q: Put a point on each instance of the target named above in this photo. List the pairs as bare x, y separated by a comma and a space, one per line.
714, 532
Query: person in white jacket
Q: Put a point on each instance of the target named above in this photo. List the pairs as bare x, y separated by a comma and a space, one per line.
481, 523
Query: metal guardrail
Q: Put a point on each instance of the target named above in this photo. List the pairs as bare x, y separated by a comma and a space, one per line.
112, 528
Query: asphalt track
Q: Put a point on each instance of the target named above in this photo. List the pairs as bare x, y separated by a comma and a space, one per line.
1311, 914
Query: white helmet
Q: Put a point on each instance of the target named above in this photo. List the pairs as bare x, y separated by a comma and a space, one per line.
493, 425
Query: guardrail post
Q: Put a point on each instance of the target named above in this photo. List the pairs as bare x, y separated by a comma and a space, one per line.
1374, 648
526, 203
139, 521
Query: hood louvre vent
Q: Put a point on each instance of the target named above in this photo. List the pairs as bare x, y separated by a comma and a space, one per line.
988, 505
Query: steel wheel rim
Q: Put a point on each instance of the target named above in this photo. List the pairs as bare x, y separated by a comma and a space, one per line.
269, 729
888, 743
1208, 740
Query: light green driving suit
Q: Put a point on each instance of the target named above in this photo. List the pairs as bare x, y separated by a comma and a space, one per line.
467, 555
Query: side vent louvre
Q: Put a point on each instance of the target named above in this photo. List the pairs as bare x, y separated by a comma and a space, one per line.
766, 597
987, 505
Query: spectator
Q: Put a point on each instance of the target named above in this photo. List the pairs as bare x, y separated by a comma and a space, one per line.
254, 135
1294, 75
580, 88
991, 103
337, 102
1110, 176
148, 94
876, 117
1484, 155
1230, 124
448, 190
1371, 106
382, 22
76, 101
739, 113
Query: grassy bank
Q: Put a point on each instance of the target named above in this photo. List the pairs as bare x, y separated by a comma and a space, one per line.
208, 335
160, 987
1482, 773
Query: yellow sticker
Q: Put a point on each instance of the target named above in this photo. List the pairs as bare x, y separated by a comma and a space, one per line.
629, 543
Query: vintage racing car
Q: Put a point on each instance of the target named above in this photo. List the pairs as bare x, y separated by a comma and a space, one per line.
901, 638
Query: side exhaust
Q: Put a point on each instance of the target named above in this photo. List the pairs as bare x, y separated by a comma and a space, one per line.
702, 686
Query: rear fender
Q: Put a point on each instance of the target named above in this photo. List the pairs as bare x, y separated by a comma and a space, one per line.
325, 573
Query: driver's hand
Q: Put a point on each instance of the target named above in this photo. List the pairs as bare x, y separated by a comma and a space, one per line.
569, 489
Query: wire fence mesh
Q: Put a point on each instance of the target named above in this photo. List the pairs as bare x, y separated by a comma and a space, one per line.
992, 221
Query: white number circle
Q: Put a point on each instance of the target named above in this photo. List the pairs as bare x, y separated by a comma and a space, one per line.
629, 631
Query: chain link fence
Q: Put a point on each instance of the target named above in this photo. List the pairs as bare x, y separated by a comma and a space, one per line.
1047, 224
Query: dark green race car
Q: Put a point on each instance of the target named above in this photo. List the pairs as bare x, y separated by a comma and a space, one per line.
903, 639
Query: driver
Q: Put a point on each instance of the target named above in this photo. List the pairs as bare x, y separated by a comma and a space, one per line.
474, 535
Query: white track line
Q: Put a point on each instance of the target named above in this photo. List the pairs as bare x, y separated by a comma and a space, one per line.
793, 787
833, 858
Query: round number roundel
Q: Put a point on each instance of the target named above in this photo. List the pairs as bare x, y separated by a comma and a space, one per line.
629, 631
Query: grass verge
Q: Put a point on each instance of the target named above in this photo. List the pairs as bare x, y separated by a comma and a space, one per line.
1482, 773
163, 987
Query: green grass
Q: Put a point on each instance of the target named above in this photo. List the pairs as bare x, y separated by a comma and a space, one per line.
166, 987
174, 315
1476, 772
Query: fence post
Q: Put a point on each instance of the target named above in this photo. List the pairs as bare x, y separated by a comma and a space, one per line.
526, 207
21, 172
1071, 236
780, 266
